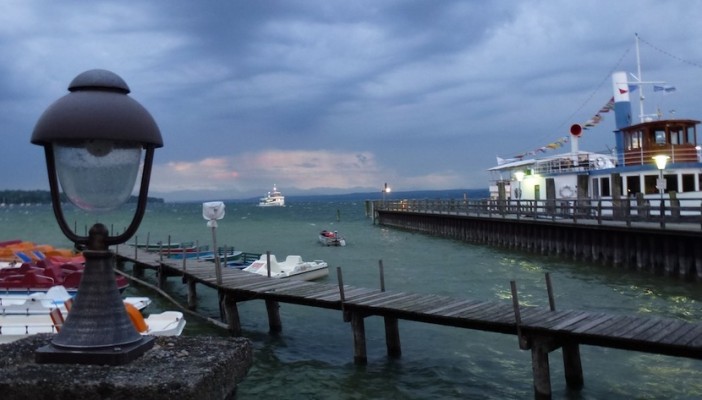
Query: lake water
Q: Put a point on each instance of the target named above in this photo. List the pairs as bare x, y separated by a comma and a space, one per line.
313, 356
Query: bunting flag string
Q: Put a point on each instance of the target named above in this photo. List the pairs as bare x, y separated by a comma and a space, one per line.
596, 119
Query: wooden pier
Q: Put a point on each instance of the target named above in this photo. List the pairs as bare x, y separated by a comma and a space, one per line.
538, 329
668, 247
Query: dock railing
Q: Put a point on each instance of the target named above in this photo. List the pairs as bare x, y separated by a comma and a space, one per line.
666, 211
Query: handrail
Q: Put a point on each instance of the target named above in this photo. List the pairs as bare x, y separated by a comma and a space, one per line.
687, 212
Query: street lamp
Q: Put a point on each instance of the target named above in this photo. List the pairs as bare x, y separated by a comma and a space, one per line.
385, 190
92, 139
520, 177
661, 184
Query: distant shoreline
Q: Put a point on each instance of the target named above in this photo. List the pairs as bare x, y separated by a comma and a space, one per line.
18, 197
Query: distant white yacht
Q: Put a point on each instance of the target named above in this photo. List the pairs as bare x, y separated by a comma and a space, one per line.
272, 199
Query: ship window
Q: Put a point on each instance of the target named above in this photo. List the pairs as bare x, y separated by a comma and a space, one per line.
688, 183
676, 135
633, 140
671, 183
605, 187
650, 184
633, 185
660, 136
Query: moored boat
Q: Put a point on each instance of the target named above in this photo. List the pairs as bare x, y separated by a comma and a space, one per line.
329, 238
292, 268
40, 276
272, 199
629, 173
29, 314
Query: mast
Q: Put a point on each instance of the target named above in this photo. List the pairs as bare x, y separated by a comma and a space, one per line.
640, 78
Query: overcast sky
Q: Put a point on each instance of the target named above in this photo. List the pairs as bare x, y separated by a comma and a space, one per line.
325, 96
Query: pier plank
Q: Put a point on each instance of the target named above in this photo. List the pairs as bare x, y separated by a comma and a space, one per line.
672, 327
653, 329
691, 336
385, 297
453, 304
465, 309
596, 325
571, 321
677, 336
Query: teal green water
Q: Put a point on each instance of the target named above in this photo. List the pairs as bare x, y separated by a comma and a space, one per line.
313, 357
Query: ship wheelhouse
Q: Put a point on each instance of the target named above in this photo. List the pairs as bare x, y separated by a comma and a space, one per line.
676, 139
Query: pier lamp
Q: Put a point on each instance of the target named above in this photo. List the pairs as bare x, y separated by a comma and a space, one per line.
93, 139
520, 177
661, 161
385, 191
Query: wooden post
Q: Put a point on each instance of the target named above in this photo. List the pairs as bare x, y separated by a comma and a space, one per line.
392, 330
572, 365
392, 337
274, 323
192, 294
340, 279
549, 291
232, 314
138, 270
541, 371
523, 344
136, 247
359, 339
268, 262
161, 277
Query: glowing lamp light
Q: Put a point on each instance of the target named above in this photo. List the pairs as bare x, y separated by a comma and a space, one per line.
661, 161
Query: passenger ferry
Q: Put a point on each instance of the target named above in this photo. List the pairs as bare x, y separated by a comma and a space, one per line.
629, 172
272, 199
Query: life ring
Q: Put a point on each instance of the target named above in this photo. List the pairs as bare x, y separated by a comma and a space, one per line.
136, 318
600, 162
566, 192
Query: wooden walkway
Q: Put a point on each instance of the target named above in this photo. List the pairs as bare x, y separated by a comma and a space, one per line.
539, 329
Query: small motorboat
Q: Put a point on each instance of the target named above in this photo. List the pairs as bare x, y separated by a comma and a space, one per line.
292, 268
44, 302
167, 323
329, 238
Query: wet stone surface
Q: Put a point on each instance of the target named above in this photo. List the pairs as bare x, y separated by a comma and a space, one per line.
194, 367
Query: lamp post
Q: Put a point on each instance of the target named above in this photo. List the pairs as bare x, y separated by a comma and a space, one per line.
661, 184
385, 191
93, 139
213, 211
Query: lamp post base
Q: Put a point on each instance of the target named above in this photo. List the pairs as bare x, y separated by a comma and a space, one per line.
117, 355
